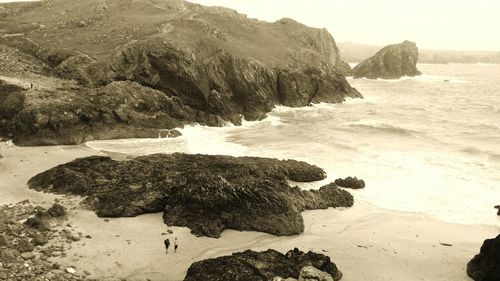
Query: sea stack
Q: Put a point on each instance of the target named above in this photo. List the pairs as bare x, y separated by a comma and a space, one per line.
486, 265
391, 62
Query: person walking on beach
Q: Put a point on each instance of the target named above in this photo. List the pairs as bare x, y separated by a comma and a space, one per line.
167, 244
176, 245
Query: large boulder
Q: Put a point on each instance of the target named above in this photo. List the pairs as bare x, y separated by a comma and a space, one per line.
391, 62
486, 265
206, 193
264, 266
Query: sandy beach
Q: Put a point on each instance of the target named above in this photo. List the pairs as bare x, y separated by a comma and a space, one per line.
365, 242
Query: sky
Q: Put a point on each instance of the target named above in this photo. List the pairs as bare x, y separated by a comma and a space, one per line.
432, 24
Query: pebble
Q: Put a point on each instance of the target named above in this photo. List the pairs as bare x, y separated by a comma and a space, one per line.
27, 256
71, 270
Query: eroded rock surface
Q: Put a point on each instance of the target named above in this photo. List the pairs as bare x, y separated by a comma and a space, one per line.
264, 266
391, 62
203, 192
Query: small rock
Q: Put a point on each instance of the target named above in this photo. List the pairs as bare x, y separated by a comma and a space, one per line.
56, 254
310, 273
57, 211
8, 255
28, 256
37, 223
70, 270
4, 242
39, 239
81, 23
25, 246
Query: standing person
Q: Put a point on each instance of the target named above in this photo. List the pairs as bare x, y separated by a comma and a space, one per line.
176, 245
167, 244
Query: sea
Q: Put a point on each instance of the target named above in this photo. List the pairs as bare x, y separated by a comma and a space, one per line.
426, 145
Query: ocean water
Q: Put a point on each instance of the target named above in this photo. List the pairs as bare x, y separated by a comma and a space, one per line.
429, 144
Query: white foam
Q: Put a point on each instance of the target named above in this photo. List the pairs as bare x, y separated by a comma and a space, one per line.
194, 139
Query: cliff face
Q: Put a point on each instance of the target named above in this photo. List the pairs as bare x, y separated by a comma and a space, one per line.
205, 193
391, 62
217, 65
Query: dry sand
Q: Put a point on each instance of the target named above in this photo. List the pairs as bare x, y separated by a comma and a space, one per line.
366, 242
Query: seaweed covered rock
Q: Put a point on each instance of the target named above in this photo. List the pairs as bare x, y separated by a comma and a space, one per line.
207, 193
263, 266
391, 62
485, 266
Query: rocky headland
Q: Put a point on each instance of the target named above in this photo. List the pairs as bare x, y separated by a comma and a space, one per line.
205, 193
391, 62
78, 71
485, 266
267, 265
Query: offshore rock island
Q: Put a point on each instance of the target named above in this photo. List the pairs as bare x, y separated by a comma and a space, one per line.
79, 71
391, 62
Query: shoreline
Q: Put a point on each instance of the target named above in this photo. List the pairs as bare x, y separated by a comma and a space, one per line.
366, 242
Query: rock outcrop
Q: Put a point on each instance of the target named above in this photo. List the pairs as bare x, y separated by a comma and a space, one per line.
486, 265
498, 209
135, 73
350, 182
205, 193
267, 265
391, 62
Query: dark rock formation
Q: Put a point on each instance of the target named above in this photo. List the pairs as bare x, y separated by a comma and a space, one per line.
350, 182
135, 73
486, 265
498, 209
260, 266
57, 211
205, 193
391, 62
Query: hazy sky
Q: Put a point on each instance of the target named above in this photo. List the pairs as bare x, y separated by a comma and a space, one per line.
432, 24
